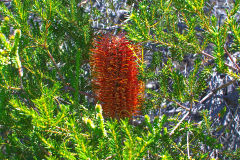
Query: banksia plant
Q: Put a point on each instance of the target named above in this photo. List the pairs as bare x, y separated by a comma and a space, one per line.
114, 65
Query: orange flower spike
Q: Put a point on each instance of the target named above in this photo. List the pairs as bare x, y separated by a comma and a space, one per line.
114, 69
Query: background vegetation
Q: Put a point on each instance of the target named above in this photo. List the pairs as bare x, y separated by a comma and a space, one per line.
47, 108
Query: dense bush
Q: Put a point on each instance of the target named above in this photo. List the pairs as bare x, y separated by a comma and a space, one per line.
48, 109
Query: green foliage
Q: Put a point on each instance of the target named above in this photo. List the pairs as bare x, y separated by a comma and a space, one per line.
46, 52
44, 81
184, 28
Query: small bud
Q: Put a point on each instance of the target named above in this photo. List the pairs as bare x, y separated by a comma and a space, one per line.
6, 19
142, 6
165, 130
99, 116
17, 33
164, 157
132, 16
139, 139
2, 37
4, 41
84, 119
147, 118
2, 51
88, 122
12, 37
101, 123
98, 108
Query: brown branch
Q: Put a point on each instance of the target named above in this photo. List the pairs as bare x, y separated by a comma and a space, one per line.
217, 89
210, 56
55, 64
188, 150
179, 104
229, 55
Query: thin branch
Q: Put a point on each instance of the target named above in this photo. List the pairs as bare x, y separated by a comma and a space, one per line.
188, 150
229, 55
217, 89
55, 64
110, 157
184, 117
210, 56
14, 88
81, 92
174, 144
179, 104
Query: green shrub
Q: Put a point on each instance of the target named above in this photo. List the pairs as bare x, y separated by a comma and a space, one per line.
45, 82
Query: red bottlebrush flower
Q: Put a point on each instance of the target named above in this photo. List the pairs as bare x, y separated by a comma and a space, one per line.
114, 70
